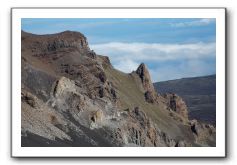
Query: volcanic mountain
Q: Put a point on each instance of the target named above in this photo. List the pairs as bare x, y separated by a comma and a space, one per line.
71, 96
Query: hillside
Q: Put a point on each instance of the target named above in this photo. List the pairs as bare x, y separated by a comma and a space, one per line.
199, 93
72, 96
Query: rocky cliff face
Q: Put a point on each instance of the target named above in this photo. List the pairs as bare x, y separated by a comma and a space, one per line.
72, 96
62, 41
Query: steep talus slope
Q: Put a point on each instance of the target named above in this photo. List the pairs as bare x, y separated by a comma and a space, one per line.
73, 97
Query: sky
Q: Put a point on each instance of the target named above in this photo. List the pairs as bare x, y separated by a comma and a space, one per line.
172, 48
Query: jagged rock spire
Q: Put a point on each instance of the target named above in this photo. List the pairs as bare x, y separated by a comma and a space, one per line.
150, 93
143, 73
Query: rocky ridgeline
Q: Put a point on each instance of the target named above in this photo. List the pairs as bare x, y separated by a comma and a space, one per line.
176, 105
77, 104
45, 44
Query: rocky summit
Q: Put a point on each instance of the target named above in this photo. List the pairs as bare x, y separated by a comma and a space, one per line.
71, 96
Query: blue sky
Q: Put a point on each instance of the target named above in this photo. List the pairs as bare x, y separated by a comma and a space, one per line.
171, 48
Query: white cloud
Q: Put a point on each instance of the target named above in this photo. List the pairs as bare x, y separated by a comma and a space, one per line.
118, 51
200, 22
191, 68
190, 58
127, 65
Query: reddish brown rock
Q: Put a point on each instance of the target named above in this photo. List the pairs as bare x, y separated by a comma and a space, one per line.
44, 44
176, 104
143, 73
150, 93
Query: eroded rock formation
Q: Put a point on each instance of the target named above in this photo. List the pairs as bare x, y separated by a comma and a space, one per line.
150, 93
176, 104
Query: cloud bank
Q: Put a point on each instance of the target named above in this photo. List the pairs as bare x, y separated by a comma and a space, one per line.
165, 61
148, 52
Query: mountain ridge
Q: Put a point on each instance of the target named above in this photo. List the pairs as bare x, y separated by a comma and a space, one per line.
80, 95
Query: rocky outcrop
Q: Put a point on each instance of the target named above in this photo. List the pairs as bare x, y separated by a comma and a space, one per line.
141, 131
150, 93
150, 97
29, 99
61, 85
202, 132
176, 104
143, 73
96, 118
105, 62
55, 42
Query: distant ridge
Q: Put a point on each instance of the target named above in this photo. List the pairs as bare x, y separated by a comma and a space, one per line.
185, 86
199, 93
